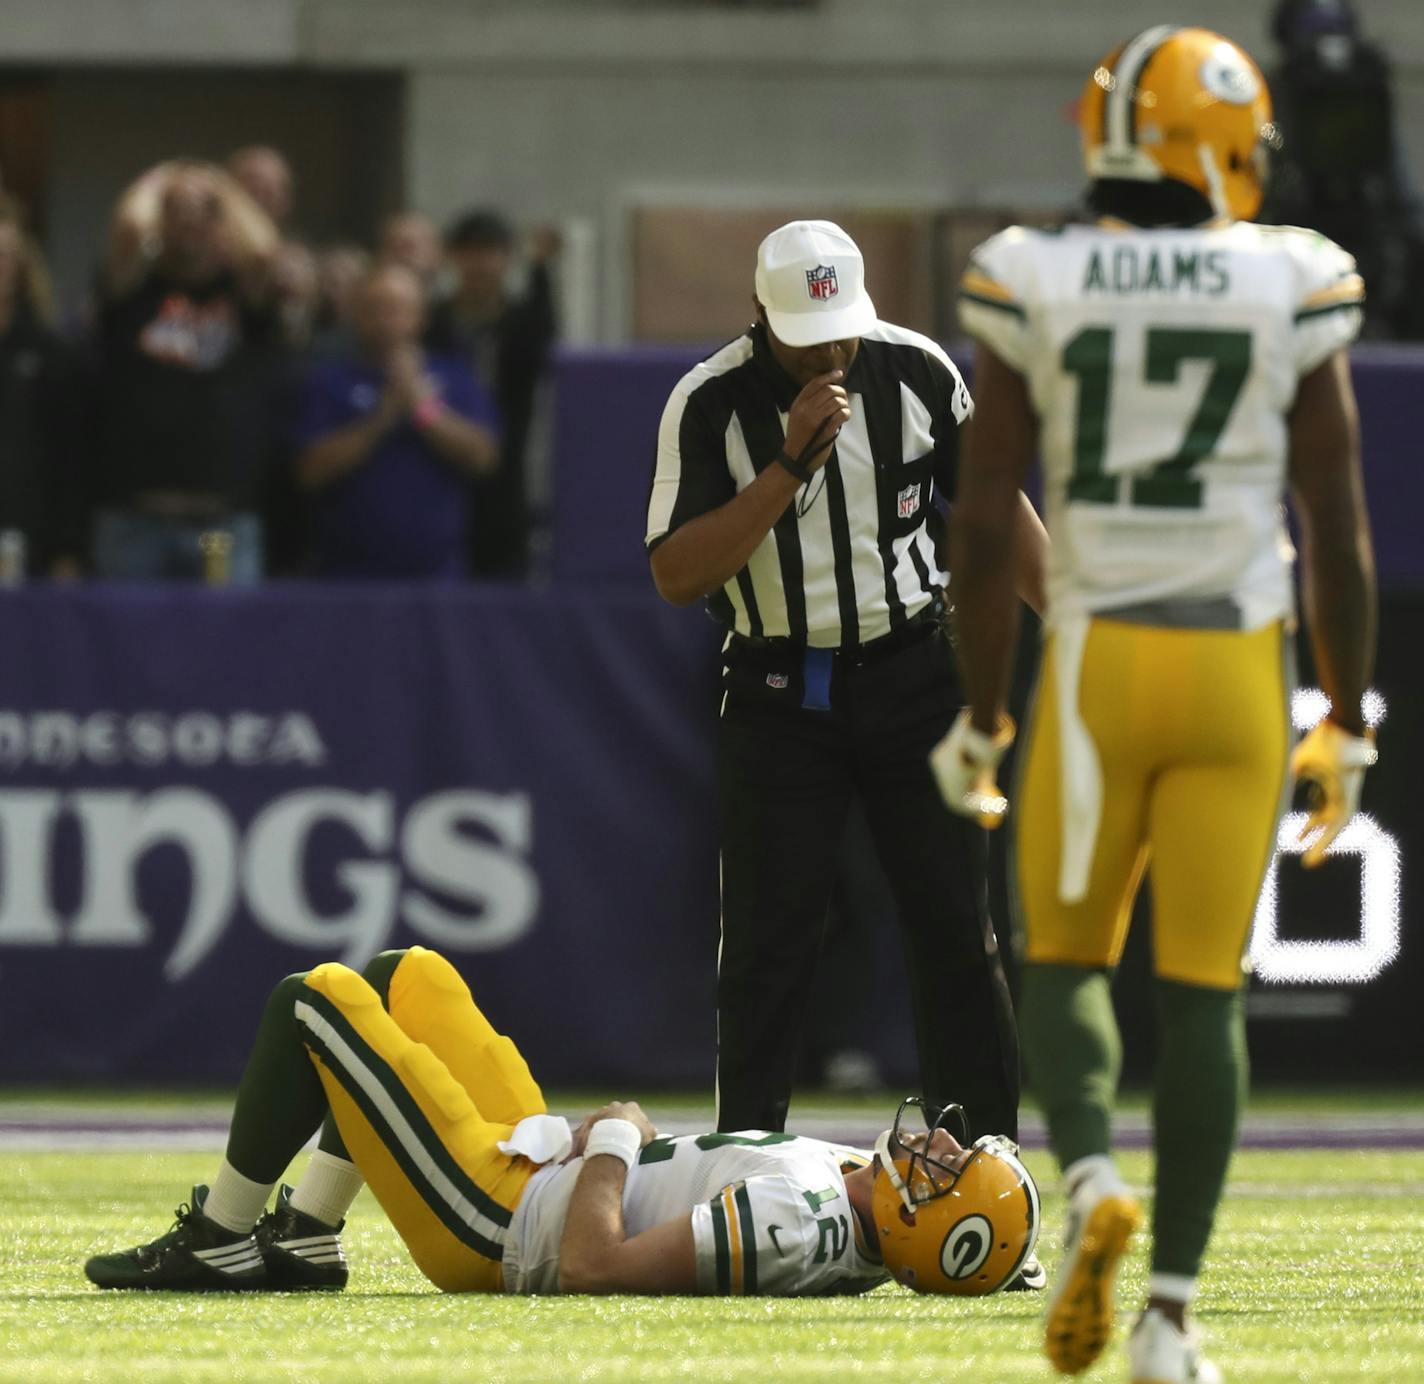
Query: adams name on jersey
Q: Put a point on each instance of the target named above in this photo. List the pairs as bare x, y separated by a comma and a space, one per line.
1163, 364
770, 1215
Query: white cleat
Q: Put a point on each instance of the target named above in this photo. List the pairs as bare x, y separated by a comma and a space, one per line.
1161, 1354
1102, 1215
1031, 1278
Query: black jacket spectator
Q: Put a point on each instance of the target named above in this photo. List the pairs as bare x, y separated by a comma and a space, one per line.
188, 352
42, 403
185, 371
1340, 169
506, 340
42, 412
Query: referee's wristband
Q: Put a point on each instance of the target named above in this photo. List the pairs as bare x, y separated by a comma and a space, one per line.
800, 472
621, 1138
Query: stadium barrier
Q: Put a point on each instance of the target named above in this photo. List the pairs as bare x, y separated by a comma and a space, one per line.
203, 790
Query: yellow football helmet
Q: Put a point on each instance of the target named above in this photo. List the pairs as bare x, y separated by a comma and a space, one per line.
1186, 104
943, 1229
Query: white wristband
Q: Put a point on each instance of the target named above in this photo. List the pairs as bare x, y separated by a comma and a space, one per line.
986, 751
621, 1138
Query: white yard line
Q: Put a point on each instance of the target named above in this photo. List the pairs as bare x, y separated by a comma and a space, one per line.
39, 1126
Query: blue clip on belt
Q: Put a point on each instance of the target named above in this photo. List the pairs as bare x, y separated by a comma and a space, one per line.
816, 670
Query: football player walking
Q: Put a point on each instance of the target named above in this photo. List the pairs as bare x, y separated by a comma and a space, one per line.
1178, 368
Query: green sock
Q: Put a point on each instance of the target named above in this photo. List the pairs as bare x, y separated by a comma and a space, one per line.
331, 1141
378, 973
1200, 1089
1073, 1053
280, 1100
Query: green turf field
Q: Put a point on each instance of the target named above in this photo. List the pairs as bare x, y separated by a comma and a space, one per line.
1318, 1276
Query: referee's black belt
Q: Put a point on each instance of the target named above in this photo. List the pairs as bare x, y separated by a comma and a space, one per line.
921, 625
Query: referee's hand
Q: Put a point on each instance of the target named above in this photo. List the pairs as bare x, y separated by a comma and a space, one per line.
821, 409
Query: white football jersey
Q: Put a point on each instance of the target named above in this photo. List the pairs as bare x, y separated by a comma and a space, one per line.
1162, 365
769, 1212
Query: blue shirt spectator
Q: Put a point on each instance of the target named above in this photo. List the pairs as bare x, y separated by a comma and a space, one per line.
389, 443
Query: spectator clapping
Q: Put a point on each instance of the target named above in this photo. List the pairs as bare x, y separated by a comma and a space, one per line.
292, 404
388, 442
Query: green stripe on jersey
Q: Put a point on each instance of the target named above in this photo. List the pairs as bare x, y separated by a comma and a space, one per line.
1329, 307
749, 1248
1013, 309
719, 1240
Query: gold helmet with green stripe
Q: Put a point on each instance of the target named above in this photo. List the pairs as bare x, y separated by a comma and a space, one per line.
1182, 104
951, 1219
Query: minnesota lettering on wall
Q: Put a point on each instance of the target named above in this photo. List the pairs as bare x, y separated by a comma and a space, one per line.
196, 739
454, 867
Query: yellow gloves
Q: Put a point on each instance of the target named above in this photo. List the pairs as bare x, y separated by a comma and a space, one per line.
1334, 762
963, 764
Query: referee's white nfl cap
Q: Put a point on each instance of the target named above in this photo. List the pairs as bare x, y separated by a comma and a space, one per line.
810, 278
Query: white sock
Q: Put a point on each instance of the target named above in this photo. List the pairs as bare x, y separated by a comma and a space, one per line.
1091, 1168
235, 1202
327, 1188
1172, 1287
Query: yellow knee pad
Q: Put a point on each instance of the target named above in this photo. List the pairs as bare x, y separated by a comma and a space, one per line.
420, 1070
421, 969
342, 986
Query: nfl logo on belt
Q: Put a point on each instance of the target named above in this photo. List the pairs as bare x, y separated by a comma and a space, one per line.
821, 282
908, 500
778, 680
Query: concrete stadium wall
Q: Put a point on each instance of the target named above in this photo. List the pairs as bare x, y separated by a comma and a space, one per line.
579, 111
892, 104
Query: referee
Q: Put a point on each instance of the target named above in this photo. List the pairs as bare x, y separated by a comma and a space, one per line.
795, 474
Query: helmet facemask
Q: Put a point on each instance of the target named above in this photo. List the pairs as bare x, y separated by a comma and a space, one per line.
925, 1177
942, 1228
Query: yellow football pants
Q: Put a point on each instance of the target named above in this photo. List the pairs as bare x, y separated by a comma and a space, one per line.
1192, 730
422, 1096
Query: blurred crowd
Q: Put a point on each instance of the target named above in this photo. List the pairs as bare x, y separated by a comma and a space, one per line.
1340, 168
235, 403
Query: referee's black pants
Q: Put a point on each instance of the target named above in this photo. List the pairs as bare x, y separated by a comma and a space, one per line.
786, 776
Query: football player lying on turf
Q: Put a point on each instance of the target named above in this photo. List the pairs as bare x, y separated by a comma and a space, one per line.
490, 1193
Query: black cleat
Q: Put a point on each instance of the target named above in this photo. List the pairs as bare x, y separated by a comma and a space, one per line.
301, 1253
196, 1256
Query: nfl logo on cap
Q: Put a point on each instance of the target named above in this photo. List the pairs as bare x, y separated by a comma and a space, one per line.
821, 282
810, 279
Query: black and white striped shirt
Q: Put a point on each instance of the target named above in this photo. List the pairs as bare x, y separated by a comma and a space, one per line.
851, 559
